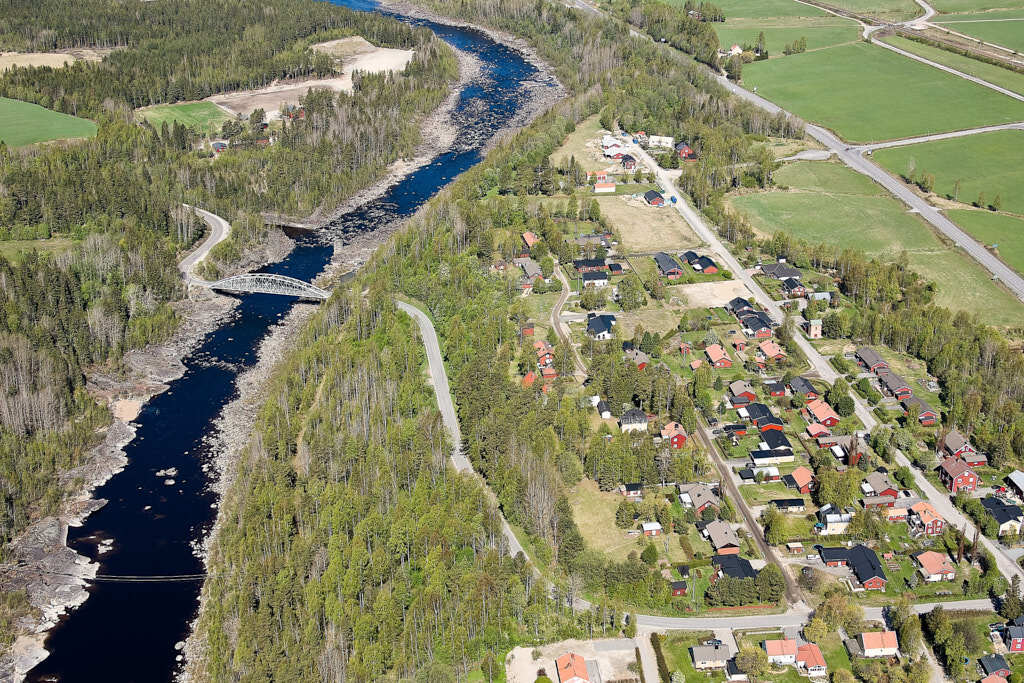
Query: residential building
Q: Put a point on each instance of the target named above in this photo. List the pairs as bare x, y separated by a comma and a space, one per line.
775, 388
717, 356
738, 306
924, 517
832, 520
789, 504
926, 415
1008, 517
705, 264
995, 665
894, 385
862, 561
793, 288
699, 497
674, 433
571, 668
604, 410
530, 239
756, 324
633, 420
598, 280
733, 673
633, 492
654, 198
781, 651
678, 588
639, 358
709, 656
810, 660
761, 458
723, 538
780, 271
590, 265
871, 359
1016, 481
770, 423
685, 152
813, 328
1014, 638
530, 268
815, 430
879, 643
755, 411
956, 475
628, 162
668, 266
604, 188
994, 678
818, 411
774, 440
732, 565
767, 472
652, 529
934, 566
803, 479
599, 326
878, 484
741, 392
956, 445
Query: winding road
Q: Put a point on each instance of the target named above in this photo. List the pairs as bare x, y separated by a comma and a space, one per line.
220, 229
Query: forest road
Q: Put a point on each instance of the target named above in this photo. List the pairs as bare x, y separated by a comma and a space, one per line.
220, 229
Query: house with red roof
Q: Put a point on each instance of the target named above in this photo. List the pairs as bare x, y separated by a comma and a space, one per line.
571, 668
674, 433
925, 517
717, 356
934, 566
771, 350
810, 660
818, 411
956, 475
803, 479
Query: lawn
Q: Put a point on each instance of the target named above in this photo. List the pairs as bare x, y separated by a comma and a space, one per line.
988, 163
1002, 27
1011, 80
764, 8
575, 145
22, 123
887, 9
878, 225
760, 494
865, 93
644, 229
675, 646
205, 117
779, 33
995, 228
833, 178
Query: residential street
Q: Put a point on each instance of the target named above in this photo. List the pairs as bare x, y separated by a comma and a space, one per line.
560, 329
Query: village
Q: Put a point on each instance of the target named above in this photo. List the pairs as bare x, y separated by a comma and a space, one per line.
784, 473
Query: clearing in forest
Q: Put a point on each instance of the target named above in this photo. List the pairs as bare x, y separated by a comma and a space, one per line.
205, 117
10, 60
22, 123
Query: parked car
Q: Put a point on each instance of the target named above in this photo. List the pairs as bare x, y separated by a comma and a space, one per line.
713, 641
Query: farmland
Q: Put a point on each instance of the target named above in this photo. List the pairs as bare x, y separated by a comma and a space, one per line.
995, 228
778, 33
892, 10
878, 225
764, 8
204, 117
1000, 26
1011, 80
866, 93
988, 163
22, 123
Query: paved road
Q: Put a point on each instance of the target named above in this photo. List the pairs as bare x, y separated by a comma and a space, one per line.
937, 136
219, 231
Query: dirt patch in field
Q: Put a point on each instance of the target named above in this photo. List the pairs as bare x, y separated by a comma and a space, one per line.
359, 58
10, 60
646, 229
710, 294
612, 657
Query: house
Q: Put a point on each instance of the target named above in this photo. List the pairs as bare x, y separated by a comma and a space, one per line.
633, 420
803, 479
529, 379
956, 445
705, 265
993, 679
771, 350
674, 433
900, 509
733, 673
770, 423
894, 385
848, 448
590, 265
549, 373
530, 268
709, 656
685, 348
862, 561
775, 388
614, 151
815, 430
595, 280
698, 496
810, 660
1015, 638
572, 669
995, 665
926, 415
597, 176
732, 565
717, 356
530, 239
780, 271
768, 473
803, 387
781, 651
678, 588
633, 492
685, 152
877, 502
599, 326
774, 440
813, 328
755, 411
761, 458
738, 306
756, 324
832, 520
741, 392
956, 475
924, 517
879, 643
545, 353
1007, 516
723, 539
794, 288
878, 484
668, 266
694, 364
818, 411
934, 566
871, 359
651, 529
604, 410
628, 162
639, 358
654, 198
739, 343
789, 504
615, 269
689, 256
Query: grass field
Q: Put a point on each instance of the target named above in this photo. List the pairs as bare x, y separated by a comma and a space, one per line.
575, 145
819, 33
989, 163
644, 228
1004, 28
764, 8
972, 6
22, 123
865, 92
1011, 80
995, 228
14, 249
205, 117
892, 10
879, 226
826, 177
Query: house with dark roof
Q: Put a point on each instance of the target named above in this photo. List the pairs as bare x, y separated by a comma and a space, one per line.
894, 385
780, 271
689, 256
861, 560
1008, 517
628, 162
770, 423
733, 565
995, 665
738, 305
678, 588
926, 415
654, 198
760, 458
668, 266
871, 359
794, 288
705, 265
775, 440
589, 265
633, 420
789, 504
599, 326
603, 409
685, 152
756, 411
597, 279
802, 386
756, 324
957, 476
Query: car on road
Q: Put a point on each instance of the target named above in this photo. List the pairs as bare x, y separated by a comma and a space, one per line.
716, 432
713, 641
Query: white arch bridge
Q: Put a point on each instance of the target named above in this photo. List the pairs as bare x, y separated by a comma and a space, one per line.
267, 283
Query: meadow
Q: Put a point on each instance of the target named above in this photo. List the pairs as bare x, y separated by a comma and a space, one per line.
1004, 27
778, 33
866, 93
892, 10
995, 228
989, 163
878, 225
204, 117
22, 123
764, 8
1004, 78
971, 6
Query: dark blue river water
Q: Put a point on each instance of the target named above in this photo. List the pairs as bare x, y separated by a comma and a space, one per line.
128, 631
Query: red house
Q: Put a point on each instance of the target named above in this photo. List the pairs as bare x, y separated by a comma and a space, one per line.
926, 415
803, 479
678, 588
821, 412
717, 356
926, 518
1015, 638
742, 390
674, 433
956, 445
685, 152
775, 388
956, 475
529, 379
895, 385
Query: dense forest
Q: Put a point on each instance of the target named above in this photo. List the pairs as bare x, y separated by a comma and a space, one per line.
117, 197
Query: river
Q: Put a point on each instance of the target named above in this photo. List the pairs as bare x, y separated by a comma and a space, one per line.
154, 524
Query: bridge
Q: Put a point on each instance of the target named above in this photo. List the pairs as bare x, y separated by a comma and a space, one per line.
267, 283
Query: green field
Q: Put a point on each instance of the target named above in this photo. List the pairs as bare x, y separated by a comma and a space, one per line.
893, 10
865, 93
819, 33
205, 117
995, 228
967, 6
989, 163
1011, 80
1004, 28
878, 225
13, 250
22, 123
764, 8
